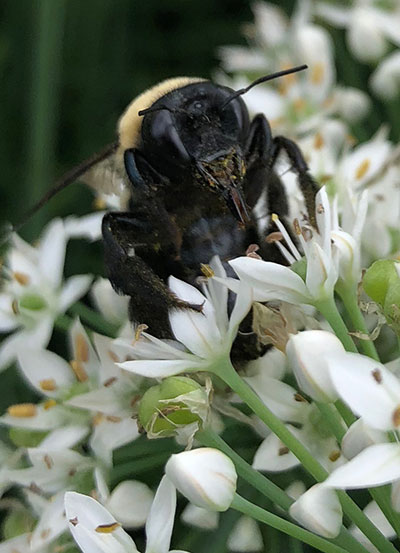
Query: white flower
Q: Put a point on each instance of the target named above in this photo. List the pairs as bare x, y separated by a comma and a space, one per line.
34, 293
372, 392
245, 536
271, 281
378, 519
129, 502
205, 476
368, 25
319, 510
199, 517
111, 305
95, 530
385, 81
207, 335
307, 352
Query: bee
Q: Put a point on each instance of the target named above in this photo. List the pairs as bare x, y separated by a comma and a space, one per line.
193, 170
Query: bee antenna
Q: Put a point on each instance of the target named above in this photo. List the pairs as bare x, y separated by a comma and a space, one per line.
68, 178
263, 80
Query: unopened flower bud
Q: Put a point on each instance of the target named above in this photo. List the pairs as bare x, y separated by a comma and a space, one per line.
382, 283
359, 436
176, 402
306, 351
319, 510
205, 476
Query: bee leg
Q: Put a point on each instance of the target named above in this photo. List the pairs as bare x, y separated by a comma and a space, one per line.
125, 236
308, 185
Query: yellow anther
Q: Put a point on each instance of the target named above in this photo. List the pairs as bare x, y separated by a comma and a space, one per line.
49, 404
79, 371
362, 168
22, 410
334, 455
107, 528
48, 385
21, 278
318, 141
396, 416
81, 348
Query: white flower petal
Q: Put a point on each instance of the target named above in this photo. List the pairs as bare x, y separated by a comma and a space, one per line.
359, 436
130, 503
74, 288
377, 465
85, 515
205, 476
199, 517
88, 226
273, 456
367, 387
44, 369
245, 536
196, 331
306, 353
66, 437
319, 510
109, 435
270, 280
279, 397
52, 252
35, 338
51, 524
161, 518
111, 305
162, 368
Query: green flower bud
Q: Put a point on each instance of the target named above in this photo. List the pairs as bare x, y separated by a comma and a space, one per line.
378, 278
382, 283
172, 404
33, 302
17, 522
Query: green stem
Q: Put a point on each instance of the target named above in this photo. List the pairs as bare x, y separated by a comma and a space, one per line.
136, 467
209, 438
96, 321
63, 322
44, 94
349, 298
226, 371
332, 419
249, 509
329, 310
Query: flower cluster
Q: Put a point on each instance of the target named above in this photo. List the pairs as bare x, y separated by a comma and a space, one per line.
111, 409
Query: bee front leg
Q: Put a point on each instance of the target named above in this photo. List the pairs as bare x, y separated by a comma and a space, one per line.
127, 237
308, 185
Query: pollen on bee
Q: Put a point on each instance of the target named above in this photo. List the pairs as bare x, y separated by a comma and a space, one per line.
107, 528
206, 270
21, 278
362, 169
48, 385
22, 410
82, 348
79, 371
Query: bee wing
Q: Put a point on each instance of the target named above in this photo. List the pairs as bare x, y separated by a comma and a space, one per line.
103, 171
108, 177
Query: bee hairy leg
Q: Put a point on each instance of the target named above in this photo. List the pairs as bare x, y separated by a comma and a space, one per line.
125, 236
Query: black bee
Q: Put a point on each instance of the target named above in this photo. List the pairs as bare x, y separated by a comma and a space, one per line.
193, 168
